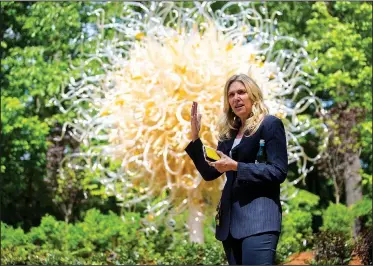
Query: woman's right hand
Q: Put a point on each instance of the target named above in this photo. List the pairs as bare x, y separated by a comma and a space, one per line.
195, 121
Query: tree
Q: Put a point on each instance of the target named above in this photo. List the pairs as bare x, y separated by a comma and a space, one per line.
339, 35
38, 45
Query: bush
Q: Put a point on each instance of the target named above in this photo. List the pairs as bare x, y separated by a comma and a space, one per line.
362, 210
35, 256
50, 234
11, 237
304, 201
105, 239
332, 248
364, 247
296, 235
15, 246
338, 218
109, 231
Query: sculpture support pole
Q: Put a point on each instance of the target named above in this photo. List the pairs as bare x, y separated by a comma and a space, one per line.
195, 221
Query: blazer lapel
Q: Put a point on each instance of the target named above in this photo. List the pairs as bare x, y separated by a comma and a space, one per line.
229, 143
244, 139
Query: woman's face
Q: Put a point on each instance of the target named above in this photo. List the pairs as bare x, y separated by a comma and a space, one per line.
239, 100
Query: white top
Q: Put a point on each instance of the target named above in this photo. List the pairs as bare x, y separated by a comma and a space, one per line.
235, 143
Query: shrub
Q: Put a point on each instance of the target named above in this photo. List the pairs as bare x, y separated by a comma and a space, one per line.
364, 247
332, 248
32, 255
11, 237
105, 239
304, 201
338, 218
50, 234
210, 253
15, 246
106, 232
296, 235
362, 209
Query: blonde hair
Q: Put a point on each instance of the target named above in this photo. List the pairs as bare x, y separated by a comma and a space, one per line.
229, 122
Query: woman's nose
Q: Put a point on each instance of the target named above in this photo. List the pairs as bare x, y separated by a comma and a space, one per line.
236, 97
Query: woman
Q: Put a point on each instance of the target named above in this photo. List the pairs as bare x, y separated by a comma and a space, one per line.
249, 213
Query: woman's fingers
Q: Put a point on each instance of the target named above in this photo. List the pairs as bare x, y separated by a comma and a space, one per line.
195, 117
195, 124
220, 154
194, 108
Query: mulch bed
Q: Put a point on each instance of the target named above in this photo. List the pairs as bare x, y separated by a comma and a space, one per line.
304, 258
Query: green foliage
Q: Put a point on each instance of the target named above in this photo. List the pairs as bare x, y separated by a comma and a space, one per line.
294, 17
296, 229
15, 246
340, 41
105, 239
339, 36
37, 49
41, 42
296, 234
338, 218
50, 234
305, 201
11, 237
362, 209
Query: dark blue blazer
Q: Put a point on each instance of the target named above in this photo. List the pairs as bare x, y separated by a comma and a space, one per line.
250, 201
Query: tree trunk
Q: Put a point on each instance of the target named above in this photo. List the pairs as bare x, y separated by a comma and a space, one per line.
353, 189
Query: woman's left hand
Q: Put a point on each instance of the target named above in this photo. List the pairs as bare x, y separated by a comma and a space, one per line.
224, 164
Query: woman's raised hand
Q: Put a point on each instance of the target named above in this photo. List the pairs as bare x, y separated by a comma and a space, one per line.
195, 121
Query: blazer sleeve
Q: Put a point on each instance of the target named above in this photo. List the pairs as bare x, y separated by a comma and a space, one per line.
195, 152
276, 167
